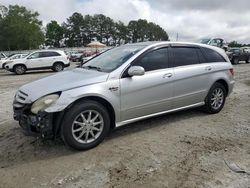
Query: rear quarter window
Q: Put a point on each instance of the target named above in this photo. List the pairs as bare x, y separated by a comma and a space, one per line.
212, 56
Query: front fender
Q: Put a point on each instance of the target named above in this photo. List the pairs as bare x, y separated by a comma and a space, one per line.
101, 90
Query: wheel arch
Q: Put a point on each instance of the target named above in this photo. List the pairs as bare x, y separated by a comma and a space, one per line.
58, 62
19, 64
102, 101
224, 83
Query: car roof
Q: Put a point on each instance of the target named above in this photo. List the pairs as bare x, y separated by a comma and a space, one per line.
58, 51
158, 43
153, 44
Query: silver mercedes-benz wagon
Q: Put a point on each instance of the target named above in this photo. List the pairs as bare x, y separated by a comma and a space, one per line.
123, 85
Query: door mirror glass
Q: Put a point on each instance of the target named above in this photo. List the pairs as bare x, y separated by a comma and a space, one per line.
136, 71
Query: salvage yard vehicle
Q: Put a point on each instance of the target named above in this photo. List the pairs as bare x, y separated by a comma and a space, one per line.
219, 42
46, 59
239, 54
3, 56
15, 56
123, 85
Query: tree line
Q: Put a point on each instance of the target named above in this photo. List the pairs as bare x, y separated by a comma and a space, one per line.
21, 29
236, 44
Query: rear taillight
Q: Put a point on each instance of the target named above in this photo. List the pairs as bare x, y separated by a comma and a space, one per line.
232, 71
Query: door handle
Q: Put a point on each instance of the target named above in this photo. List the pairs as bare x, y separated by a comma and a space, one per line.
167, 75
209, 68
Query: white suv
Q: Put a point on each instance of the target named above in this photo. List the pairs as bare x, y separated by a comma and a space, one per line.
49, 59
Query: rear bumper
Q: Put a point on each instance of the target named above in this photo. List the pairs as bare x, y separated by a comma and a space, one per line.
67, 65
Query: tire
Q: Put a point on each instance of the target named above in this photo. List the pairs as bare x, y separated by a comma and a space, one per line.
215, 99
235, 61
58, 67
3, 65
248, 60
78, 135
212, 99
19, 69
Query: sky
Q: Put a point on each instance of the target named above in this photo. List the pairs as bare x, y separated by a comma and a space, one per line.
191, 19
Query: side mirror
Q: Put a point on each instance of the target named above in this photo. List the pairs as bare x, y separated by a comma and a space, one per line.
136, 71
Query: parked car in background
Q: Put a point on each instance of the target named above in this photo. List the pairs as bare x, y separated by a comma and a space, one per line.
3, 56
246, 48
76, 56
13, 57
123, 85
84, 59
46, 59
239, 54
219, 42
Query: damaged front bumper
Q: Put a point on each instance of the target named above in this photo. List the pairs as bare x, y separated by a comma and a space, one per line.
40, 124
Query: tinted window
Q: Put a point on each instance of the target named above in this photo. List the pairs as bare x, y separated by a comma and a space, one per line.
51, 54
235, 50
157, 59
201, 56
185, 56
44, 54
213, 56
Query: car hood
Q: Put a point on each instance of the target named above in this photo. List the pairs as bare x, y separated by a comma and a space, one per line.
62, 81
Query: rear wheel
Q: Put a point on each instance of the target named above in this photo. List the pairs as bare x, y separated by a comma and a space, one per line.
86, 125
57, 67
215, 99
19, 69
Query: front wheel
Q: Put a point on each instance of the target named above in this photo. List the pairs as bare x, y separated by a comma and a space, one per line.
85, 125
19, 69
3, 65
215, 99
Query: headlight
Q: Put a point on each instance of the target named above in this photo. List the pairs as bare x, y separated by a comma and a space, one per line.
43, 103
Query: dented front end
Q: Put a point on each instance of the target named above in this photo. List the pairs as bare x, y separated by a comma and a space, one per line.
42, 124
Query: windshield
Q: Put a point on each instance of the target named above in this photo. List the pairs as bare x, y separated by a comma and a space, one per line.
205, 41
113, 58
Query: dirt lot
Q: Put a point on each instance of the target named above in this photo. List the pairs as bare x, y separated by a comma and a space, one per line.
185, 149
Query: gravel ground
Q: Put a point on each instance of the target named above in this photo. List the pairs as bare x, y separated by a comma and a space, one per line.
184, 149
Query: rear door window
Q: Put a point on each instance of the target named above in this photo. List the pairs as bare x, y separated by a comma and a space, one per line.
183, 56
53, 54
44, 54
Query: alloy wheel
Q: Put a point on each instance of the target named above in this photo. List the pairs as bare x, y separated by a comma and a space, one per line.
87, 126
217, 98
20, 69
58, 67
